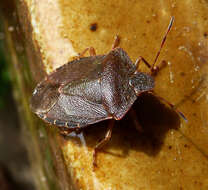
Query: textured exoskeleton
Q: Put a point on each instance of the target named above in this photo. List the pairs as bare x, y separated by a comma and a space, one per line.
89, 90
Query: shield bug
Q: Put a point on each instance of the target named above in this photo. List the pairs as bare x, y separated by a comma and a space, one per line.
92, 89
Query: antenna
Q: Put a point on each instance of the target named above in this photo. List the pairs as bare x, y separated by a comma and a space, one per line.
163, 41
171, 106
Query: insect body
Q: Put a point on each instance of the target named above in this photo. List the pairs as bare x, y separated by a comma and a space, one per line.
92, 89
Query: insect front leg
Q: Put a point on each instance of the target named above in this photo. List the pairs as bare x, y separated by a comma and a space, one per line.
153, 70
138, 62
103, 142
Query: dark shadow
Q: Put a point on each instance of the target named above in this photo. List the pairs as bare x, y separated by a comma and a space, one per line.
155, 118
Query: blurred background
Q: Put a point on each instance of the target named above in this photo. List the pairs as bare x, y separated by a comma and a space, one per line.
14, 165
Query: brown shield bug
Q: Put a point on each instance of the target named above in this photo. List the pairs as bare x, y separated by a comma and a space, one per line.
92, 89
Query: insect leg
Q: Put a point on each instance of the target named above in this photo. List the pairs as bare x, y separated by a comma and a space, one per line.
103, 142
91, 51
153, 71
138, 61
135, 120
116, 42
65, 131
157, 68
171, 106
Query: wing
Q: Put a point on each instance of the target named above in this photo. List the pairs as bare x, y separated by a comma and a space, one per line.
87, 67
74, 111
46, 93
79, 101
